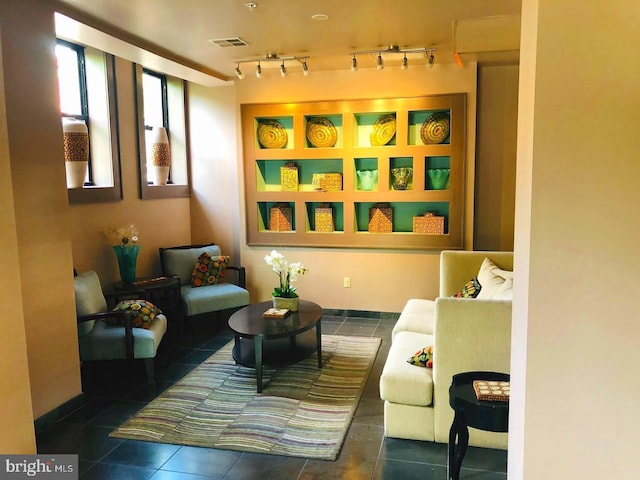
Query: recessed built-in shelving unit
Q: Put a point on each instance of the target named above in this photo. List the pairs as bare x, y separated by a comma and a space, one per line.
315, 170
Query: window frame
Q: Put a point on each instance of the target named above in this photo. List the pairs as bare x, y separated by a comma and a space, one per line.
92, 193
171, 190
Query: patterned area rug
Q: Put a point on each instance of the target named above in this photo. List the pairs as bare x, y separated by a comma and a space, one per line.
302, 411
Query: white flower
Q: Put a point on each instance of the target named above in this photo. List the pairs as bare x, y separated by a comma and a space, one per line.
287, 273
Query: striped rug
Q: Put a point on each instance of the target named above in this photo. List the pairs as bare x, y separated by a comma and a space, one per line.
302, 411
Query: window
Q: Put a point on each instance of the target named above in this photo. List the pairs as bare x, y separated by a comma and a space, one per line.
156, 112
160, 102
86, 82
72, 85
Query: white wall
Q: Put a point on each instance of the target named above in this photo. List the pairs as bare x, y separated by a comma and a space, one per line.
576, 334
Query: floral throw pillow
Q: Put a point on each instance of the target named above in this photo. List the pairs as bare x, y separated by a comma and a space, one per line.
471, 289
422, 358
209, 270
142, 312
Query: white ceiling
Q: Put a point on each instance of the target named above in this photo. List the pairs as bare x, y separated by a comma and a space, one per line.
487, 30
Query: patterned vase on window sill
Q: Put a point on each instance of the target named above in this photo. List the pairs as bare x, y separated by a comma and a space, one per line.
76, 151
161, 157
288, 303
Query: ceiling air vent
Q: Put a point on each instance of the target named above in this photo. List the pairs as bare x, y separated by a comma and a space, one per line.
229, 42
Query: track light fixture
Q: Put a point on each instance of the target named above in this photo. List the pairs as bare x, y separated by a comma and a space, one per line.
272, 57
394, 49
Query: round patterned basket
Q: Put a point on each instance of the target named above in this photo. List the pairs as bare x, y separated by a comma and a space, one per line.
321, 132
435, 129
383, 130
271, 134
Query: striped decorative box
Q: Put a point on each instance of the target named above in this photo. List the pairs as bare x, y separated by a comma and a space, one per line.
328, 182
324, 218
381, 218
281, 218
289, 177
429, 224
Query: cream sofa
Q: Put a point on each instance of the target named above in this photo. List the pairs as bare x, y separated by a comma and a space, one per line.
467, 334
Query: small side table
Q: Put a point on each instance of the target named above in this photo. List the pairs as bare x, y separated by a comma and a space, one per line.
492, 416
163, 292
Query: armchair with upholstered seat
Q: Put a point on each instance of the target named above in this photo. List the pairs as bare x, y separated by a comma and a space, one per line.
209, 284
133, 331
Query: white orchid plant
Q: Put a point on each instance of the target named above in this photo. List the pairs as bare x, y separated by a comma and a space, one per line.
287, 274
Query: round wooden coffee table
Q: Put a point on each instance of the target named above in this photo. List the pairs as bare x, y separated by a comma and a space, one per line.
275, 341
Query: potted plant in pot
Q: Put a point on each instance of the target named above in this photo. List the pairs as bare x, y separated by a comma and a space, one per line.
284, 295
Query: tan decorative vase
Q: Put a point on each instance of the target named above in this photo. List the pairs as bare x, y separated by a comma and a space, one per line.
161, 156
76, 151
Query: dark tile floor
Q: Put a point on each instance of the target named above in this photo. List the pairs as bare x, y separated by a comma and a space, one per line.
112, 394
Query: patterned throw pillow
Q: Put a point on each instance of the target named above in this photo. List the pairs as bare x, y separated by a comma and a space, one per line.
422, 358
471, 289
209, 270
143, 312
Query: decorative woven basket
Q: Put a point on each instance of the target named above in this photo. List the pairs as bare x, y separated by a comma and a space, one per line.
435, 129
281, 218
324, 218
321, 132
328, 182
289, 177
381, 218
429, 224
271, 134
383, 130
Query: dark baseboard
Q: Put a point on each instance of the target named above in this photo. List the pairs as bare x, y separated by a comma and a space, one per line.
61, 411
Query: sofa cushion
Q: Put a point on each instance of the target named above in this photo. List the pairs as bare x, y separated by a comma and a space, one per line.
142, 312
471, 289
417, 316
422, 358
401, 382
209, 270
492, 279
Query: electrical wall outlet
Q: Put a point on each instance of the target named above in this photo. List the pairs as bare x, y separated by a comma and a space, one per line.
347, 282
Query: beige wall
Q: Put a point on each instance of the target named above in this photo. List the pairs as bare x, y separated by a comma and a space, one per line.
496, 157
16, 415
40, 207
381, 280
576, 331
161, 222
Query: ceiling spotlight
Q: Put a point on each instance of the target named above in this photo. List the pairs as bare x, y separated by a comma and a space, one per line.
393, 50
251, 6
305, 69
239, 72
283, 70
258, 70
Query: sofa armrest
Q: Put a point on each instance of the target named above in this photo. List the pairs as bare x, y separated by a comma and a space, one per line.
470, 335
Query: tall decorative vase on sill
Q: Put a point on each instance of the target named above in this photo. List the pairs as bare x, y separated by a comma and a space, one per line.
127, 258
288, 303
161, 156
76, 151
